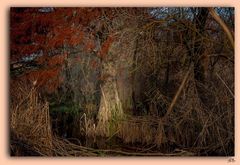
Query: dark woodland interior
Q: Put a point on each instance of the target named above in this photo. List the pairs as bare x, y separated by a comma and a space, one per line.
121, 81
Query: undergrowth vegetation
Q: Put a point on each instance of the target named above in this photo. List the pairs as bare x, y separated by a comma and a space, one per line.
139, 82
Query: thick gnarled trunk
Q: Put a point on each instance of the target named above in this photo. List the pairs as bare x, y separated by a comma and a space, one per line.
111, 109
116, 89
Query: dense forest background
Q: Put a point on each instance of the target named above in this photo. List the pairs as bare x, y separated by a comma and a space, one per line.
121, 81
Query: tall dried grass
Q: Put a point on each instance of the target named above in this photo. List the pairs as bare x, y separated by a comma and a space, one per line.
194, 125
30, 121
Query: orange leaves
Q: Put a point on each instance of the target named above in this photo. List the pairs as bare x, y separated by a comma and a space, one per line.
45, 78
57, 60
52, 61
84, 16
18, 51
90, 45
71, 36
105, 47
34, 30
76, 38
42, 60
54, 43
48, 77
41, 39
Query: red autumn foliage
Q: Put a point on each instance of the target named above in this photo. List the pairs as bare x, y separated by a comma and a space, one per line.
76, 39
49, 61
94, 64
48, 30
34, 30
90, 45
105, 47
57, 60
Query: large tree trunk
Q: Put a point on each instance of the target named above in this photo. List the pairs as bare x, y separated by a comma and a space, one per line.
198, 54
111, 108
200, 58
116, 89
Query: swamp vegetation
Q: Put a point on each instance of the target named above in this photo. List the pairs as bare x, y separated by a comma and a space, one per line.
121, 81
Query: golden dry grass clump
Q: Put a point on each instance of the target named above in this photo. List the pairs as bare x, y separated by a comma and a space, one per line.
30, 122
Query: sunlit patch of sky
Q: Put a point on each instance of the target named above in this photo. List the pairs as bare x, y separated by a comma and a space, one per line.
46, 9
187, 12
165, 12
32, 56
